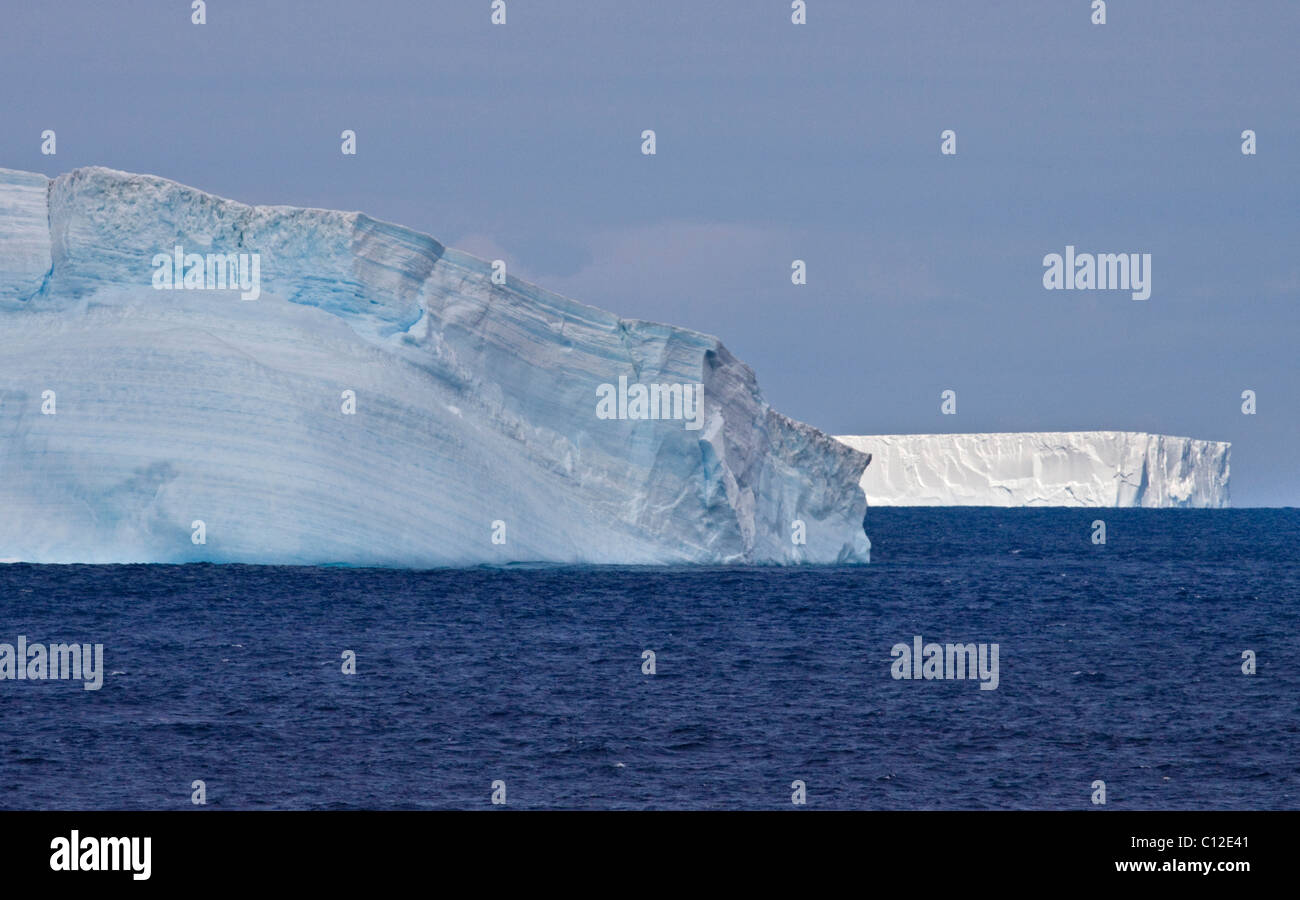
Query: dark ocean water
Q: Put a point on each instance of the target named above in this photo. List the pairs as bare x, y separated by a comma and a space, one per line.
1119, 662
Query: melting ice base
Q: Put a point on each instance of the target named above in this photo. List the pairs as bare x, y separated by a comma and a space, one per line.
1079, 468
476, 403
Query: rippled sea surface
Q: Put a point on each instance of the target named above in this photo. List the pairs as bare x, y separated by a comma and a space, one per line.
1120, 662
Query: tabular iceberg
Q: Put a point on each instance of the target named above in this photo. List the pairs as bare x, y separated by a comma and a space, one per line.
129, 415
1080, 468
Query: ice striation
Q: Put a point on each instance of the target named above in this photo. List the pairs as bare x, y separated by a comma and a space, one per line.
1070, 468
475, 404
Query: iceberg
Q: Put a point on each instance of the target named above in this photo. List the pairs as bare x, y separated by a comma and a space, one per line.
1071, 468
382, 401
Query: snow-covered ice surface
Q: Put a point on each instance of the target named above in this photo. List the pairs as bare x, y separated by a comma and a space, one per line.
1073, 468
475, 403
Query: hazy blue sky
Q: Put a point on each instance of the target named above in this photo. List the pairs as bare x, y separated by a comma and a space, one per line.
775, 142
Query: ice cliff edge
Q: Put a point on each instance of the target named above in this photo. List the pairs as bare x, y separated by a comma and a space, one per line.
1074, 468
382, 401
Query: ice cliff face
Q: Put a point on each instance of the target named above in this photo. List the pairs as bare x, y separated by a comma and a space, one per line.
475, 437
1083, 468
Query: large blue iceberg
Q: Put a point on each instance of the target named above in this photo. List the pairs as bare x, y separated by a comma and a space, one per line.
130, 414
